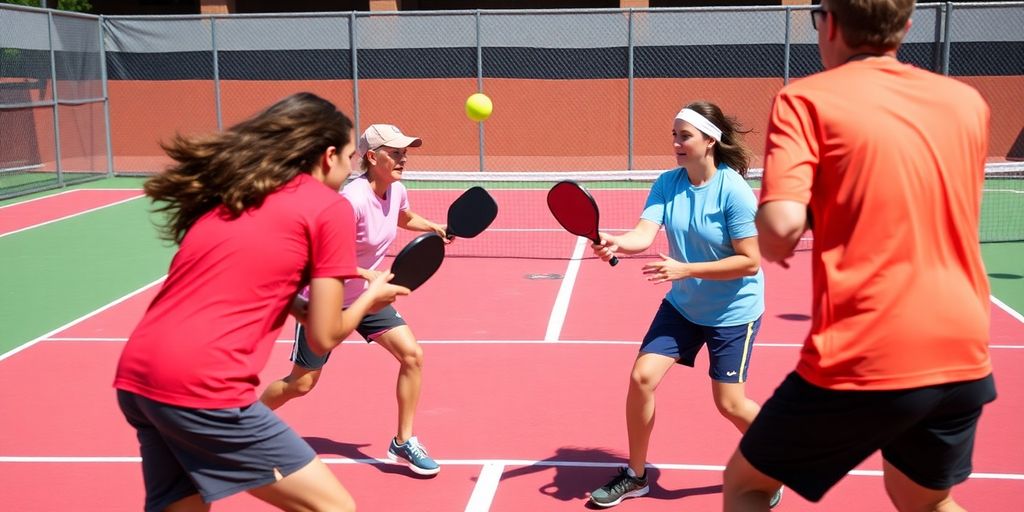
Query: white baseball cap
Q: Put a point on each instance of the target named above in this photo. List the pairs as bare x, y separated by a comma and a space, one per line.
389, 135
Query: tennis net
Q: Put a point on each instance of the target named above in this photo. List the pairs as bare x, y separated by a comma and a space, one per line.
525, 228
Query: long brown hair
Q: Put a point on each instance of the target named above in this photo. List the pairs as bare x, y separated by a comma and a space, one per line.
731, 150
239, 167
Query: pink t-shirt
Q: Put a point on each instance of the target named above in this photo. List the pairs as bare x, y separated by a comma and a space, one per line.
376, 226
208, 333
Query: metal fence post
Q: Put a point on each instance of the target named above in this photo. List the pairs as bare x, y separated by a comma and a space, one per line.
946, 43
55, 102
355, 71
216, 73
480, 88
629, 91
106, 96
940, 14
785, 47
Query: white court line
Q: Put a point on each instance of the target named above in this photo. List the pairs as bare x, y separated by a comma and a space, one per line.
47, 336
83, 212
486, 486
561, 307
502, 463
19, 203
1005, 307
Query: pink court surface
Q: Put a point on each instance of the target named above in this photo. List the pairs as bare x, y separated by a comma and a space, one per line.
523, 401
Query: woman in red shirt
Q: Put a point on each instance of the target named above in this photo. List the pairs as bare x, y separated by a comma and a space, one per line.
255, 223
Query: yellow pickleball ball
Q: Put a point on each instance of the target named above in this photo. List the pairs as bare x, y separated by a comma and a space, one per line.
478, 107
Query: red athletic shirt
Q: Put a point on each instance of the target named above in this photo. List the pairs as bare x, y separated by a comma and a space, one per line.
209, 331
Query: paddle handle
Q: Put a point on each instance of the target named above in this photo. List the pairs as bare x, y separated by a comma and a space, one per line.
597, 240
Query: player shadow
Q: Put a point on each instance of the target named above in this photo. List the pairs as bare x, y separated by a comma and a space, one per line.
323, 446
796, 317
574, 481
999, 275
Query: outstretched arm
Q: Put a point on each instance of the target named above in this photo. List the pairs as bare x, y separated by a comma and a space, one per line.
408, 219
631, 242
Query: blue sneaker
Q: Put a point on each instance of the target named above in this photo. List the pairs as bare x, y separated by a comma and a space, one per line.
415, 455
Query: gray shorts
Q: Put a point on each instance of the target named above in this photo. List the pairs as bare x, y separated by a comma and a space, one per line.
372, 326
213, 452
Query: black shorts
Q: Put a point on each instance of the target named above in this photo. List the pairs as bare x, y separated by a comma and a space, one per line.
808, 437
372, 326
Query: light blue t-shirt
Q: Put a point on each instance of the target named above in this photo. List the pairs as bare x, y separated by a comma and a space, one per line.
701, 223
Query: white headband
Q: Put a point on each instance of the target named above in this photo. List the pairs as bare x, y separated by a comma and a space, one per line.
701, 123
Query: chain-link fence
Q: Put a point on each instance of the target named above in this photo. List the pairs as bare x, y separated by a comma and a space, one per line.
574, 90
52, 125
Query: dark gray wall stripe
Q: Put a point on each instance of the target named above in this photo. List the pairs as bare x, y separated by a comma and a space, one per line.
708, 61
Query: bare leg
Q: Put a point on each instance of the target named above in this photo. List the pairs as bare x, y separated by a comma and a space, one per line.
402, 344
312, 488
911, 497
733, 404
648, 370
300, 382
746, 489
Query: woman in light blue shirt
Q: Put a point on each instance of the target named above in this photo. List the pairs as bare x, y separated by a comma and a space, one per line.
717, 287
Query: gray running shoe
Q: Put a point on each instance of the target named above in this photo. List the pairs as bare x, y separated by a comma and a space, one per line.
621, 487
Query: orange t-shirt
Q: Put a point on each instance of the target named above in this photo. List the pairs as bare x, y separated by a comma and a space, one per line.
891, 160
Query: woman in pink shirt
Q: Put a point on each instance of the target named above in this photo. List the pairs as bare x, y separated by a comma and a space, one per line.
255, 223
381, 205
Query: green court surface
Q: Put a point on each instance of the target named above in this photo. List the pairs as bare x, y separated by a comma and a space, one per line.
56, 273
1004, 263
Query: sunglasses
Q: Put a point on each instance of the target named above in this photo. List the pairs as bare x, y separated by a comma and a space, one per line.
395, 153
815, 14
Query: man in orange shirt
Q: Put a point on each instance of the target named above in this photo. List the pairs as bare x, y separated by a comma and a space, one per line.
888, 160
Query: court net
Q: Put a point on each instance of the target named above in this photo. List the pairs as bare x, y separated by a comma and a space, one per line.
525, 228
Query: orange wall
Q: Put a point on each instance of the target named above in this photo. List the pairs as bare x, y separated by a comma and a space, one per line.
536, 124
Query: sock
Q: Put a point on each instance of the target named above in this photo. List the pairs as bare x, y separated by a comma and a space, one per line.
630, 472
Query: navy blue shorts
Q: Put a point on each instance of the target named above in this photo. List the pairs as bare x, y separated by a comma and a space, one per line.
213, 452
372, 326
672, 335
808, 437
